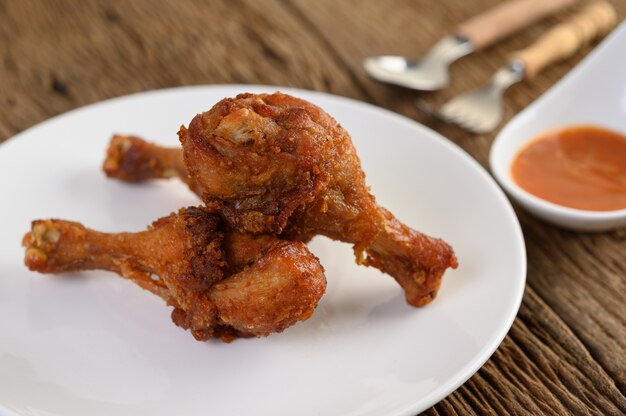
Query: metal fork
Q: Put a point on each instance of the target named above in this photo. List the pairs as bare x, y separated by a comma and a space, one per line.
481, 111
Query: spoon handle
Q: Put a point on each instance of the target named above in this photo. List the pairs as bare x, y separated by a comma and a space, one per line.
565, 39
506, 19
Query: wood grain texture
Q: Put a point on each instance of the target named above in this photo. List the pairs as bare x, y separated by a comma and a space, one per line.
72, 53
566, 351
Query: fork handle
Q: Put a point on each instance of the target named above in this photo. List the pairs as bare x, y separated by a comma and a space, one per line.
506, 19
562, 41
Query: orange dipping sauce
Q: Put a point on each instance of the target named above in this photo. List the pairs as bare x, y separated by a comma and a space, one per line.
580, 167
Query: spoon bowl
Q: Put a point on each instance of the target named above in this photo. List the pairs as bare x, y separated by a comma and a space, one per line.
427, 74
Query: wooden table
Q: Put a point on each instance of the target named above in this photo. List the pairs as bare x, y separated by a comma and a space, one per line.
566, 351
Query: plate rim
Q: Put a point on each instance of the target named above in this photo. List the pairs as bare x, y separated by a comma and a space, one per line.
488, 349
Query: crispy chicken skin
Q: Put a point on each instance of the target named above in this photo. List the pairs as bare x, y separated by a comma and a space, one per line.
221, 283
276, 163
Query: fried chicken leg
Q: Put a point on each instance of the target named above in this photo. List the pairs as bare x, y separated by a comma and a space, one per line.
221, 283
276, 163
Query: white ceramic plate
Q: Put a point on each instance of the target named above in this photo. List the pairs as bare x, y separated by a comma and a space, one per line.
96, 344
594, 93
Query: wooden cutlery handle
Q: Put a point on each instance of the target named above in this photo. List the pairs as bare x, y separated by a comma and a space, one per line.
506, 19
562, 41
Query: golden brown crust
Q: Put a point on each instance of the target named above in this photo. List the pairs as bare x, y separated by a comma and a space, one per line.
254, 159
272, 303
